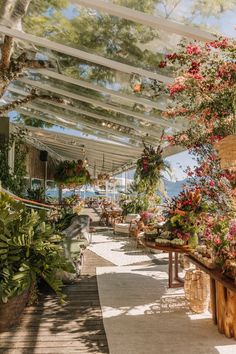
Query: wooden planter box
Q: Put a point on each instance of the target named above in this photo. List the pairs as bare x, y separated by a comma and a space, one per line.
11, 312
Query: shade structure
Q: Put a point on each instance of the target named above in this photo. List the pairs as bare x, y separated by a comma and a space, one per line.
96, 52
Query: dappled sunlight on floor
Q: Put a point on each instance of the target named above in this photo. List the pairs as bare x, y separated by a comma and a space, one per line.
122, 250
141, 315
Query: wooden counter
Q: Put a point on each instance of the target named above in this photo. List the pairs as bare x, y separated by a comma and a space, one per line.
223, 299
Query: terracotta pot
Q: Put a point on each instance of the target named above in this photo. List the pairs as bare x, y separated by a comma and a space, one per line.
11, 312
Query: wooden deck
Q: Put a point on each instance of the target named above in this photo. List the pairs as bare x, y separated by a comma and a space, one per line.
75, 327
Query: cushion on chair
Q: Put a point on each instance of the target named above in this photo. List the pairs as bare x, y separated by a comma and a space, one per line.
131, 217
122, 228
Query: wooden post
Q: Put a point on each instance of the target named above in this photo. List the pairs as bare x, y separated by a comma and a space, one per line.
213, 299
226, 310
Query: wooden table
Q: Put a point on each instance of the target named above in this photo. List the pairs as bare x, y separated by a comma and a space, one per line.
174, 281
223, 299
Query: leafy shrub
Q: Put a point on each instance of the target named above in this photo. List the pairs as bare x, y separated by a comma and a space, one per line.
29, 250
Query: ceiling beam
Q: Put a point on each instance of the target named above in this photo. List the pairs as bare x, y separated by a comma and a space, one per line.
76, 154
80, 121
152, 119
55, 122
84, 142
124, 96
148, 131
86, 149
147, 20
80, 54
89, 152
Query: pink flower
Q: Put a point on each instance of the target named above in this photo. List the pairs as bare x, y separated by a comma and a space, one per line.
232, 228
217, 241
176, 88
193, 49
212, 183
223, 43
195, 76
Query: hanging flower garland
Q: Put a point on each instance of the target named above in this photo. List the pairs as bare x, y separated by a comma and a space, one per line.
72, 174
149, 170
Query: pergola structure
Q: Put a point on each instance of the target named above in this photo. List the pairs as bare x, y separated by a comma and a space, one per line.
100, 121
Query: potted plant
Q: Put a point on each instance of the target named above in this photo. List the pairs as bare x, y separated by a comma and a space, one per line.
29, 250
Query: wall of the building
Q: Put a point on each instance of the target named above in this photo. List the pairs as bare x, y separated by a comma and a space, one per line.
35, 167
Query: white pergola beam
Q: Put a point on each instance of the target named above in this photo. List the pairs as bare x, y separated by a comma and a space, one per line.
63, 150
64, 125
131, 98
87, 150
147, 20
77, 53
84, 142
148, 131
151, 119
80, 121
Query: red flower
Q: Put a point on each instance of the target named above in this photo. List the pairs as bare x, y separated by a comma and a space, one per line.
175, 88
212, 183
173, 56
162, 64
223, 43
195, 68
193, 49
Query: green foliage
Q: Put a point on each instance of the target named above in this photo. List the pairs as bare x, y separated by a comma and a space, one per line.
36, 194
64, 219
13, 180
29, 250
149, 170
32, 122
134, 204
72, 173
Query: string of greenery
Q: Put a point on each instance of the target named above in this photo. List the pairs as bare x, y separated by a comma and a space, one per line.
13, 179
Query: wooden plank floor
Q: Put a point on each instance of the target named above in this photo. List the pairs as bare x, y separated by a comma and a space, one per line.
76, 327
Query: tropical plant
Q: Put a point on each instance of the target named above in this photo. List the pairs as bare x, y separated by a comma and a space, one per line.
37, 194
64, 218
29, 250
134, 204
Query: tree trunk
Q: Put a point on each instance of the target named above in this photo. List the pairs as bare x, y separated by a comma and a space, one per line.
12, 11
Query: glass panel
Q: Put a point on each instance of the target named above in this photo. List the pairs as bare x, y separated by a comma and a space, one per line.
98, 33
207, 14
126, 123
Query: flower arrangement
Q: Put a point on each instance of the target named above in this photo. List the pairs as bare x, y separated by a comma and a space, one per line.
72, 174
220, 236
147, 217
183, 217
149, 170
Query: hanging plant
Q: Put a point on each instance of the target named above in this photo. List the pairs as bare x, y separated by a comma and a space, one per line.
149, 170
72, 174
